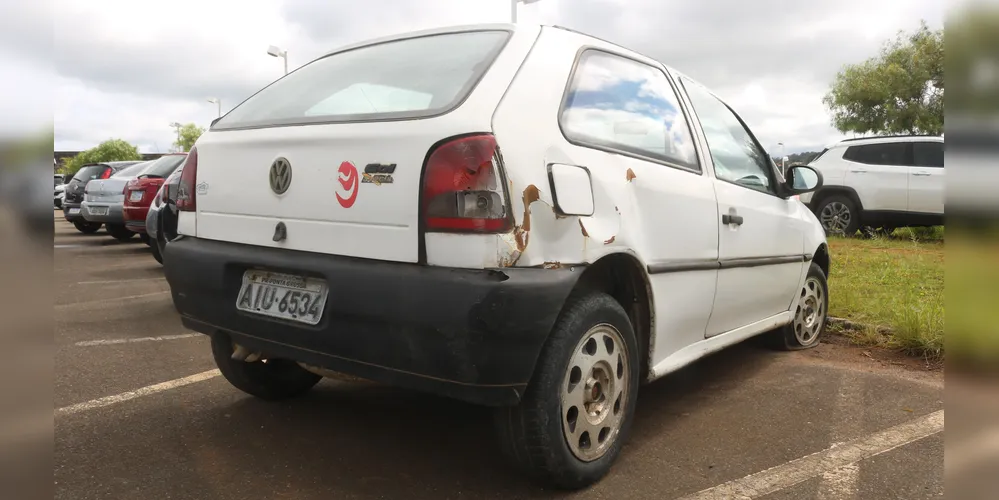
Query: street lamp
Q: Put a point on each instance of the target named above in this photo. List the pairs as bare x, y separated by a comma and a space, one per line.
177, 126
216, 100
513, 8
782, 157
276, 52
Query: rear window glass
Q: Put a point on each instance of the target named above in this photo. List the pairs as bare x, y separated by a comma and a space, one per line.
131, 171
163, 166
90, 172
410, 78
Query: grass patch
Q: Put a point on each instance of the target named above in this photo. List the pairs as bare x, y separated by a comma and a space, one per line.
893, 285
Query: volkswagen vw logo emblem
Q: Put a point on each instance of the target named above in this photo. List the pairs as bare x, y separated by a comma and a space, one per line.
280, 175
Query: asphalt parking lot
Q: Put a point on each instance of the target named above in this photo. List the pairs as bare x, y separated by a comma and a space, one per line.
140, 412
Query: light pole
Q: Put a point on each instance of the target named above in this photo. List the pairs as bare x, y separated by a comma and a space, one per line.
782, 157
177, 126
513, 8
276, 52
216, 100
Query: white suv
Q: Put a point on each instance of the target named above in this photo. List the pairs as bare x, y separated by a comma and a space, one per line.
522, 217
880, 182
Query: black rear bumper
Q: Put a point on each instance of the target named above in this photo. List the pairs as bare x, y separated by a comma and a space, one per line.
473, 335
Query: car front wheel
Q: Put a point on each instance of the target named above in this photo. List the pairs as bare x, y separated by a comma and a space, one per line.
810, 315
575, 416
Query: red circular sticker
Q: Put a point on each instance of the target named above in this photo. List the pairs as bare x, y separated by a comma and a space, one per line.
348, 181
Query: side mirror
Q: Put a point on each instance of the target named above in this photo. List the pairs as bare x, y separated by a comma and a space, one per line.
631, 127
801, 179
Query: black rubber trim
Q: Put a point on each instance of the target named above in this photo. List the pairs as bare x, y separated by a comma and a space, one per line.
680, 266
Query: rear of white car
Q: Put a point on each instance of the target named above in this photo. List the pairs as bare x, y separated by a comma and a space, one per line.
324, 189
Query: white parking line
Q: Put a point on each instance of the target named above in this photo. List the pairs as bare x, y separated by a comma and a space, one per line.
842, 483
88, 343
805, 468
145, 391
106, 282
66, 246
107, 299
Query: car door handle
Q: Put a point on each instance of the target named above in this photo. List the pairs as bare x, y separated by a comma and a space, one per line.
858, 171
732, 219
921, 174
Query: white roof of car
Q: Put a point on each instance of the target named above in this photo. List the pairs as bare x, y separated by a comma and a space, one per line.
886, 139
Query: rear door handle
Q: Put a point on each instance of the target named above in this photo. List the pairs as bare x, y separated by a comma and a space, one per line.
858, 171
732, 219
921, 174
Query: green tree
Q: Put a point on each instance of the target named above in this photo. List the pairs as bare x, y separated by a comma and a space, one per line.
900, 91
187, 136
109, 150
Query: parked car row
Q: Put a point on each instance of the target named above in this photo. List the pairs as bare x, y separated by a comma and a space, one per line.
118, 196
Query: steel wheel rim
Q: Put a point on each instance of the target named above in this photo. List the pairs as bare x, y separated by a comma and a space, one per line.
811, 312
836, 217
594, 393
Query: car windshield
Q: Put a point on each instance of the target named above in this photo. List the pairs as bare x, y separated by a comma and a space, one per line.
163, 166
133, 170
89, 172
408, 78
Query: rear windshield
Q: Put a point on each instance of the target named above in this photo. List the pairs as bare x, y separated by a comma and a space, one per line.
163, 166
89, 172
132, 170
409, 78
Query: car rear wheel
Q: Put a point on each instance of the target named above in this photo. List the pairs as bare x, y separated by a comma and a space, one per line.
120, 232
810, 316
87, 227
270, 379
575, 416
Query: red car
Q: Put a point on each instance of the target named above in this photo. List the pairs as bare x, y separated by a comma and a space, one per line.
140, 191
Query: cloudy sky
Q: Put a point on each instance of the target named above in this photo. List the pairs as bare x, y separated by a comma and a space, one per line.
128, 68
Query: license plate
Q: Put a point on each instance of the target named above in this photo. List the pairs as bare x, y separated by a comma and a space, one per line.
284, 296
74, 211
98, 210
135, 196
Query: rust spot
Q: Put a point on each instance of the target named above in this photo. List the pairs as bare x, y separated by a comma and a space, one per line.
585, 235
531, 195
521, 236
522, 233
552, 265
611, 240
631, 175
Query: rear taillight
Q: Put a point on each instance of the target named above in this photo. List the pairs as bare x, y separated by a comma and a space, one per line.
463, 188
105, 174
186, 195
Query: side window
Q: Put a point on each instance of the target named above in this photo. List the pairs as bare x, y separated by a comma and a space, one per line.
928, 154
736, 156
623, 105
888, 153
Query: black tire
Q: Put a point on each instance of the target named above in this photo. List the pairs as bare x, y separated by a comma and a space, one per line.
87, 227
157, 253
120, 232
787, 338
530, 434
274, 380
836, 205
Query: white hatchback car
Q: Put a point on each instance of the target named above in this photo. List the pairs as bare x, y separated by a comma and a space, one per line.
880, 182
517, 216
